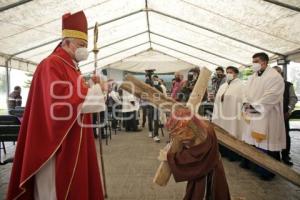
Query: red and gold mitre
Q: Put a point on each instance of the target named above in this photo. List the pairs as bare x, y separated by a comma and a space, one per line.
75, 26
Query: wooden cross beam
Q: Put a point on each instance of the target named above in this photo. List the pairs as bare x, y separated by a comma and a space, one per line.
148, 93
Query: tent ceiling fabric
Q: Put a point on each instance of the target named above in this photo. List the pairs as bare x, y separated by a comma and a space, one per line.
151, 59
202, 33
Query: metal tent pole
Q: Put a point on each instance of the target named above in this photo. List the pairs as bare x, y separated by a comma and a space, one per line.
7, 79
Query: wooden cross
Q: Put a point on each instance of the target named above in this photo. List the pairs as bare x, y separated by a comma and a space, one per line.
162, 176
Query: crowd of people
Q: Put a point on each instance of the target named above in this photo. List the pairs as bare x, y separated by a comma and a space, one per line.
125, 109
56, 136
256, 112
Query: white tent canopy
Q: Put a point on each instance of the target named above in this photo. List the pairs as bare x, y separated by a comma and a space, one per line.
149, 59
203, 33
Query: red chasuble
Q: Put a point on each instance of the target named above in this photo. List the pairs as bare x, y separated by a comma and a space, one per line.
51, 127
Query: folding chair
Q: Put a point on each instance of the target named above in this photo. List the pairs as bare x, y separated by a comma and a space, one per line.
9, 130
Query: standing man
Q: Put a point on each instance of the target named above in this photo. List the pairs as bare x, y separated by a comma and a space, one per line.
263, 108
227, 109
56, 156
117, 105
14, 99
130, 106
154, 113
188, 86
289, 101
217, 81
152, 110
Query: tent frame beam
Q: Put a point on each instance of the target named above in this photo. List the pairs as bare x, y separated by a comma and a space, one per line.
213, 31
122, 40
147, 19
197, 48
158, 44
160, 13
90, 28
284, 5
13, 5
7, 78
173, 56
177, 41
130, 56
147, 10
118, 18
113, 54
154, 50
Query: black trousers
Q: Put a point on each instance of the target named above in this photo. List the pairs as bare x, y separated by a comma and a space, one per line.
130, 121
116, 115
286, 152
102, 120
153, 119
231, 155
260, 170
144, 115
263, 172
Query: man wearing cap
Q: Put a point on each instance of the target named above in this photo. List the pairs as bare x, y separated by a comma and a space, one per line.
55, 156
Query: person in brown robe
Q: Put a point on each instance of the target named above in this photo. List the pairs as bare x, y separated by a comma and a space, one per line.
199, 161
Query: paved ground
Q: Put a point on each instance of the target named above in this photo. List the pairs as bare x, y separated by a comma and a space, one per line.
130, 163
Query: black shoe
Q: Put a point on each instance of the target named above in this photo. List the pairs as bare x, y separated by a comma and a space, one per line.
288, 162
137, 130
266, 178
286, 157
232, 159
244, 165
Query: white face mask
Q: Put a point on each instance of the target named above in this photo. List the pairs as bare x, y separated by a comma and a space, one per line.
195, 76
256, 67
229, 77
81, 54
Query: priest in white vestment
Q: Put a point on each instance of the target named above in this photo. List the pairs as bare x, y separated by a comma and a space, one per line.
130, 107
263, 110
227, 108
228, 103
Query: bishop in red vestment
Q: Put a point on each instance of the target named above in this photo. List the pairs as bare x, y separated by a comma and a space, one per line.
55, 157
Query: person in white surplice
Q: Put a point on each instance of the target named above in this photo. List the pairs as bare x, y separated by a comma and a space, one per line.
263, 111
227, 108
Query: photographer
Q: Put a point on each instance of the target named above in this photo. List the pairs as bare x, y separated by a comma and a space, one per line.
188, 86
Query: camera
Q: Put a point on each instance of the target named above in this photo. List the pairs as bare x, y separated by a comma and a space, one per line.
149, 74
